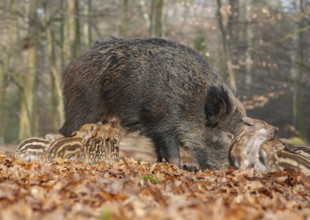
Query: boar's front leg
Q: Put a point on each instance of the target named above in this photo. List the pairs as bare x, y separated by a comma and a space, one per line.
167, 147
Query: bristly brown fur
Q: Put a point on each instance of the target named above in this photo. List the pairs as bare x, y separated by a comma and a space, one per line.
162, 89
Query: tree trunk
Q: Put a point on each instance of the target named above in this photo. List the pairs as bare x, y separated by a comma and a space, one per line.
146, 17
64, 47
228, 64
2, 109
90, 21
297, 73
70, 29
156, 18
57, 103
76, 29
2, 100
249, 40
26, 109
123, 32
6, 69
87, 34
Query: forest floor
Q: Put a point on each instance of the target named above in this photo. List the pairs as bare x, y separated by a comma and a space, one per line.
141, 189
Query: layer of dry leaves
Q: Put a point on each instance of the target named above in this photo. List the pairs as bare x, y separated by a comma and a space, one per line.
139, 190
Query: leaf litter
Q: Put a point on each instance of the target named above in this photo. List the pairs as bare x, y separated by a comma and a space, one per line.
131, 189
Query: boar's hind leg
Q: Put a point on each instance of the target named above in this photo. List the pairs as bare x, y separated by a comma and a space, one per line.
167, 147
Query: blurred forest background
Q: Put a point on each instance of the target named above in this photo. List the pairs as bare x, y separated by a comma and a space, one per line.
261, 48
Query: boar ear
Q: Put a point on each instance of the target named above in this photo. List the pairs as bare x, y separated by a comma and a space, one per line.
217, 105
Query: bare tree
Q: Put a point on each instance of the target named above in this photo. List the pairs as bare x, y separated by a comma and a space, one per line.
249, 41
124, 23
157, 18
87, 25
76, 48
70, 29
6, 66
297, 70
225, 29
26, 109
57, 104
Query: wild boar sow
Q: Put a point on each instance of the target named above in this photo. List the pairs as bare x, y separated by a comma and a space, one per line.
162, 89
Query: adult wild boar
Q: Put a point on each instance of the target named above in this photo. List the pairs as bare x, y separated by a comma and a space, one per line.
160, 88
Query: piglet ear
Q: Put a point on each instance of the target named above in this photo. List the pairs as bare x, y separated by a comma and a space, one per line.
51, 138
83, 135
285, 141
277, 147
217, 105
248, 121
